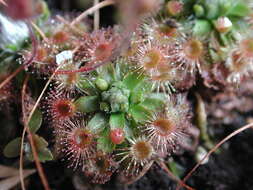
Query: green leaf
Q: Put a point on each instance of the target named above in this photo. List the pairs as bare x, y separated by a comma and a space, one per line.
199, 10
107, 72
137, 96
240, 9
154, 102
139, 113
101, 84
44, 154
128, 131
12, 149
176, 169
117, 120
105, 144
35, 121
98, 123
45, 12
87, 86
201, 27
212, 10
87, 104
132, 80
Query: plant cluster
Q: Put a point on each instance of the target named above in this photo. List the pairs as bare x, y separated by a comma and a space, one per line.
119, 103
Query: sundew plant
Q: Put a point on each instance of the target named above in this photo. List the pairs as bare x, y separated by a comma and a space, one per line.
115, 101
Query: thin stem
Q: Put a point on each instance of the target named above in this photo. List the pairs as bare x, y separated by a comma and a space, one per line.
34, 44
21, 174
33, 146
42, 34
213, 150
170, 174
38, 165
37, 161
11, 76
91, 10
96, 16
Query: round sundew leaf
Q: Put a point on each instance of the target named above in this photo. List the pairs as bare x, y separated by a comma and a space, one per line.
87, 104
35, 121
117, 120
12, 149
98, 123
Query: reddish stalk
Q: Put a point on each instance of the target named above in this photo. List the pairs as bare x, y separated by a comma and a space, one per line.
91, 10
33, 146
37, 162
213, 150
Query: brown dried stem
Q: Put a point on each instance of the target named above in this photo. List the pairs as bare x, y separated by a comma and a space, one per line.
21, 172
42, 34
91, 10
96, 16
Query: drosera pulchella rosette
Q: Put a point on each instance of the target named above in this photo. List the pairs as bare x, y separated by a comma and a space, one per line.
76, 142
137, 156
100, 167
167, 129
240, 59
151, 58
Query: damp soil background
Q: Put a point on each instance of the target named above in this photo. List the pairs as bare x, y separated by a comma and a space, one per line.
231, 169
